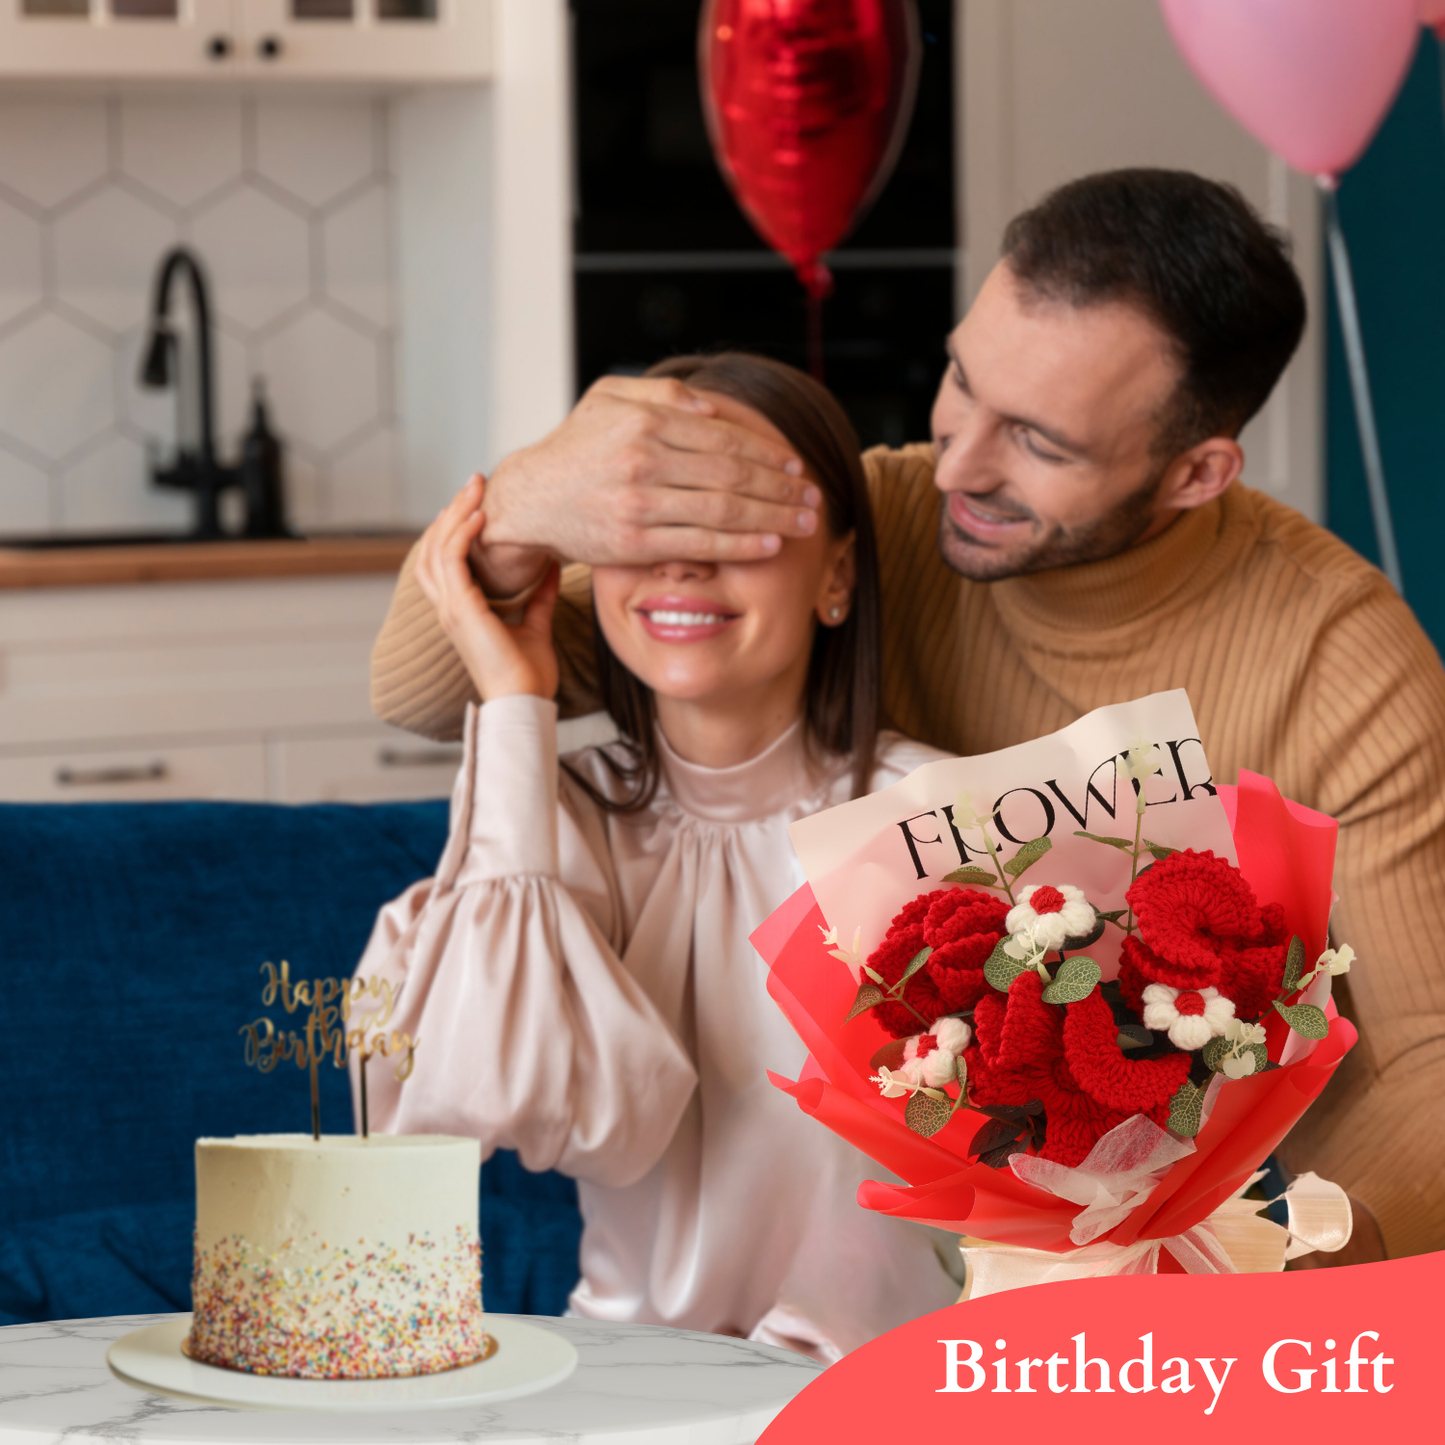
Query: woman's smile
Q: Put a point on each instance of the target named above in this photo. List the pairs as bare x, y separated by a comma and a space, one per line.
672, 618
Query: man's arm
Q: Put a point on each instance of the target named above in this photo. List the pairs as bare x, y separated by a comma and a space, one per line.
641, 471
418, 681
1376, 700
645, 470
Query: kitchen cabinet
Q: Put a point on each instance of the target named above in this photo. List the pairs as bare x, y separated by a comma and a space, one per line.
366, 39
235, 771
249, 690
254, 40
364, 768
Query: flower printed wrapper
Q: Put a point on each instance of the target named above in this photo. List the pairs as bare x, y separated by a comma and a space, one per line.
862, 866
1286, 854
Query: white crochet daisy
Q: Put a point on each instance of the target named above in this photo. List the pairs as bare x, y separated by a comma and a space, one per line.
1190, 1016
932, 1065
1046, 915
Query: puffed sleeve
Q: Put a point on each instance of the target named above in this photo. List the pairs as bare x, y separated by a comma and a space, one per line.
530, 1034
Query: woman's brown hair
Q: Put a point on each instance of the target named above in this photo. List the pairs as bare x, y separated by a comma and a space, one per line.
842, 707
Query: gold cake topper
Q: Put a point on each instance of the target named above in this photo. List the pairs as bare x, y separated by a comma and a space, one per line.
344, 1016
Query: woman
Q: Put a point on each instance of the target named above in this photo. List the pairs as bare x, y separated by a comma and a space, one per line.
579, 975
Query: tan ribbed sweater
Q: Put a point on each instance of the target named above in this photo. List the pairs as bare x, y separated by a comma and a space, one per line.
1301, 664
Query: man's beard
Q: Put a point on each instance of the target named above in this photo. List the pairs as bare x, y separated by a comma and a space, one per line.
1116, 531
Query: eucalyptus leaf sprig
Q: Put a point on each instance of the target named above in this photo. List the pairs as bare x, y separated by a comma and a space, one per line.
1011, 1128
1004, 875
1139, 767
871, 994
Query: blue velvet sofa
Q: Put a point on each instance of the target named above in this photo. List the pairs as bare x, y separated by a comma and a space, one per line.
131, 942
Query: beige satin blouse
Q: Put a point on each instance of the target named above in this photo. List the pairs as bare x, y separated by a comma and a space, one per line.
583, 991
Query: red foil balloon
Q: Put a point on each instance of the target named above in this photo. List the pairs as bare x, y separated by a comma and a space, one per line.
808, 102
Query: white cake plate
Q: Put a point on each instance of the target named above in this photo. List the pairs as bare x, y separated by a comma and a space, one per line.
527, 1360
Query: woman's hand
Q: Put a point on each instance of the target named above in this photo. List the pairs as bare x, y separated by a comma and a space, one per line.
504, 661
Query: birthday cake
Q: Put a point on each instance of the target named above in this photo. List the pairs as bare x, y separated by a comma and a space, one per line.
339, 1258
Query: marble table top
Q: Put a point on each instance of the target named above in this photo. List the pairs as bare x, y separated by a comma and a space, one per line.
634, 1383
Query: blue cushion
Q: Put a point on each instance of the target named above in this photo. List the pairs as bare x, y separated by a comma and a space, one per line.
137, 1259
134, 939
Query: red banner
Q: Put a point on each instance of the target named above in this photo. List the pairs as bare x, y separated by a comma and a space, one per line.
1321, 1355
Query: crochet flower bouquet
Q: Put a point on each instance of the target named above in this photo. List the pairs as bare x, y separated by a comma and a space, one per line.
1077, 1087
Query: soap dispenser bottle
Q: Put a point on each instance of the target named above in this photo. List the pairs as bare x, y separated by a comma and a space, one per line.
261, 472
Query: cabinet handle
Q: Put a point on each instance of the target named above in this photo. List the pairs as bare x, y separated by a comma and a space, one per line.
102, 777
269, 47
419, 757
218, 47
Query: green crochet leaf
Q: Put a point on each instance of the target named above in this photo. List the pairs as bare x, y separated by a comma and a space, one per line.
926, 1115
1123, 843
914, 964
1161, 851
1186, 1110
1027, 856
976, 876
1075, 980
1214, 1051
890, 1055
1305, 1019
869, 996
1294, 965
1001, 970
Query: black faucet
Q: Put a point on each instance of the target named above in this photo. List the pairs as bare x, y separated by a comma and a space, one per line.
199, 470
196, 471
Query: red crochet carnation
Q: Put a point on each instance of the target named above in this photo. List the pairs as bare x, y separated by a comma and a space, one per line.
1071, 1061
1108, 1075
1201, 927
962, 926
1017, 1040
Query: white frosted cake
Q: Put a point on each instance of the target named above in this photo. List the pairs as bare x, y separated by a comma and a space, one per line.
343, 1258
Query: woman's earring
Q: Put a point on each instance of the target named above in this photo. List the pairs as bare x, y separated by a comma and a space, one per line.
834, 613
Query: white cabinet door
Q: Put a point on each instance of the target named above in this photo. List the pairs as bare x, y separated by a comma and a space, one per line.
90, 666
383, 764
118, 39
367, 39
229, 771
380, 766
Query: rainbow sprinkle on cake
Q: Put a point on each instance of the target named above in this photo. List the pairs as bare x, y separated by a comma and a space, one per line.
361, 1312
337, 1259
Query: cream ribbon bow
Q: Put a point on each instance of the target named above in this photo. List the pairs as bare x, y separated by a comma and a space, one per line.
1121, 1172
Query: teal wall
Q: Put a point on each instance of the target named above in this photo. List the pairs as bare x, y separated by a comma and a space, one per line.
1393, 209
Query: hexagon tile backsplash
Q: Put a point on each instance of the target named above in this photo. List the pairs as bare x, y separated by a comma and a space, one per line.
289, 203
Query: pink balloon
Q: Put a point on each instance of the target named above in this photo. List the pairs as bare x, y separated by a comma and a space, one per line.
1312, 79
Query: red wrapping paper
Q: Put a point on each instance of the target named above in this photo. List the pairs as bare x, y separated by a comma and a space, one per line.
1286, 852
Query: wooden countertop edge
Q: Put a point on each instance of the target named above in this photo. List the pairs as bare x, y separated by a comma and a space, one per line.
201, 561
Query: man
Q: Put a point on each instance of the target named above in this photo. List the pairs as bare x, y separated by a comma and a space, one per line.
1094, 544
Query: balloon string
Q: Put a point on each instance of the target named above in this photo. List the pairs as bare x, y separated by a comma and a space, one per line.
815, 335
1360, 387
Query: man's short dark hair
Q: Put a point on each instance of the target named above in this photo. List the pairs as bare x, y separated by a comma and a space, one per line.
1197, 258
